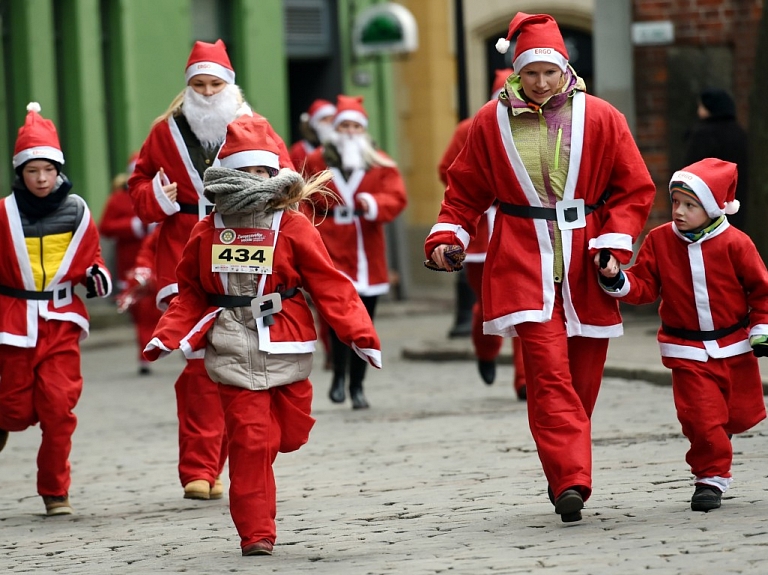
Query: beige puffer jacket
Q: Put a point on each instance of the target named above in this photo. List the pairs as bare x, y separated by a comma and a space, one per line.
232, 356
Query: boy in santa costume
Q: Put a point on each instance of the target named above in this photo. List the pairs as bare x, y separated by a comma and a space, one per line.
120, 223
714, 318
167, 187
52, 245
487, 347
368, 192
316, 126
570, 183
239, 305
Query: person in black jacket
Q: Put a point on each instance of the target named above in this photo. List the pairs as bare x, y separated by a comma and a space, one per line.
718, 135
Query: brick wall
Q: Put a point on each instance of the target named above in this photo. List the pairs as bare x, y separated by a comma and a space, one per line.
701, 24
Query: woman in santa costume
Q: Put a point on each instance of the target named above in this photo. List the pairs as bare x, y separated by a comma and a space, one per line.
573, 191
316, 126
714, 318
120, 223
487, 347
52, 245
167, 187
239, 305
368, 193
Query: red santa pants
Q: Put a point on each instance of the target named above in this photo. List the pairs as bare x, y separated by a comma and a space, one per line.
714, 399
259, 425
563, 379
202, 441
43, 384
487, 347
144, 315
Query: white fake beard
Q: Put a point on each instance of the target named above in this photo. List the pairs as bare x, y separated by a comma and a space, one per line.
324, 132
208, 116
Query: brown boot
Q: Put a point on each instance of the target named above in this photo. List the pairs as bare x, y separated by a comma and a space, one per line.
217, 491
57, 505
197, 489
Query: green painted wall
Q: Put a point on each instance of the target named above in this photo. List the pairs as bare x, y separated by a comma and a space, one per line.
103, 70
154, 39
259, 59
83, 129
378, 95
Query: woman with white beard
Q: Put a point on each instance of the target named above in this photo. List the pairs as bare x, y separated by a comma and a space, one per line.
368, 192
167, 187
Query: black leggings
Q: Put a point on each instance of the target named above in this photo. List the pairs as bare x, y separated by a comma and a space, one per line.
343, 355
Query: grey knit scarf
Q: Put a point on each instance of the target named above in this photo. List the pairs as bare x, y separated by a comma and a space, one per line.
236, 192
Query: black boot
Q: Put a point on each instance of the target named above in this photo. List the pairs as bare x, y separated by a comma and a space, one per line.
337, 394
569, 505
487, 371
356, 393
705, 498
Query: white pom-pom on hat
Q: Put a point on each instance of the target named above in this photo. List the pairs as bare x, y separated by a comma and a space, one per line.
732, 207
34, 107
502, 45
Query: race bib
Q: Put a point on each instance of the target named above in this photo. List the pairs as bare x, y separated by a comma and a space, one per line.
243, 250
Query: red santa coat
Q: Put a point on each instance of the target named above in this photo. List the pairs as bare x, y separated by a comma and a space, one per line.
19, 317
521, 254
165, 148
479, 245
299, 153
120, 223
299, 261
710, 284
358, 248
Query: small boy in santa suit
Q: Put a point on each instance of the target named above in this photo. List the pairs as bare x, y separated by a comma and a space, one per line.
52, 244
240, 308
713, 286
316, 126
120, 223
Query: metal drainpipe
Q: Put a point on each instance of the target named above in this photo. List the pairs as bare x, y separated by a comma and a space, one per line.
461, 60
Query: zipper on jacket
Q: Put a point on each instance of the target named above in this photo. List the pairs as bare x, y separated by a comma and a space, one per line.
557, 147
42, 256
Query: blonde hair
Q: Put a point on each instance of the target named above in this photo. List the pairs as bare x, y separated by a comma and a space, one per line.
302, 191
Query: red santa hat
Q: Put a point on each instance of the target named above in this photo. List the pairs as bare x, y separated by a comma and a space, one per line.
212, 59
37, 139
350, 108
714, 183
318, 110
499, 81
248, 143
539, 41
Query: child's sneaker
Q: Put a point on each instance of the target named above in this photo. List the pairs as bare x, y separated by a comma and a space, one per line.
3, 438
57, 505
705, 498
261, 547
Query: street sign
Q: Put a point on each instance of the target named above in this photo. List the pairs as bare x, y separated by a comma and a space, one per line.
386, 28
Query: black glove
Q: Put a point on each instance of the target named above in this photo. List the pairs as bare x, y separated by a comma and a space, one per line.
96, 282
759, 345
455, 256
605, 257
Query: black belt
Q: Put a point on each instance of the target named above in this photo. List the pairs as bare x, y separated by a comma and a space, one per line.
61, 292
230, 301
537, 213
711, 335
194, 209
354, 213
